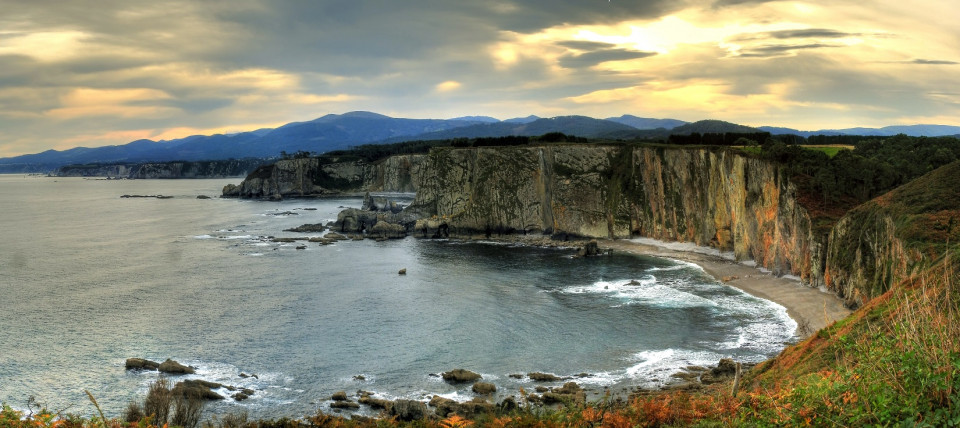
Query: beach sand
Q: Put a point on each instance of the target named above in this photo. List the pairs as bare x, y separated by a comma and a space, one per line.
811, 308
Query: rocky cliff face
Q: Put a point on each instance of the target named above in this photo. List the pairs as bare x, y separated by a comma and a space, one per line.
164, 170
311, 177
708, 197
881, 243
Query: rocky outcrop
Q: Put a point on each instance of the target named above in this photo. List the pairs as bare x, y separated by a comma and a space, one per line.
312, 177
460, 376
710, 197
168, 366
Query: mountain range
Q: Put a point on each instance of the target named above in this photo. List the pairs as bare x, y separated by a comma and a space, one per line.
336, 132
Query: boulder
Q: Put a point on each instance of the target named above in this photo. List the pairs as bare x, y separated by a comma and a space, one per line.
460, 376
590, 249
543, 377
484, 388
408, 410
141, 364
443, 406
203, 197
244, 394
374, 403
231, 191
508, 405
173, 367
723, 372
339, 396
198, 388
403, 271
348, 405
568, 388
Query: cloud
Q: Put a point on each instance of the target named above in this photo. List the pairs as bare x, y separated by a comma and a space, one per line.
449, 85
768, 51
809, 33
183, 65
590, 59
931, 62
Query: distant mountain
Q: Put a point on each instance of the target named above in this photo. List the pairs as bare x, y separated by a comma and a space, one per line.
481, 119
580, 126
646, 123
911, 130
712, 127
527, 119
330, 132
341, 131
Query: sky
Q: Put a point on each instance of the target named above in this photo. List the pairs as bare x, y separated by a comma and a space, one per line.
85, 73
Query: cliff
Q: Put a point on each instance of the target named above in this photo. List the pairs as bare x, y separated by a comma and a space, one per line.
710, 197
164, 170
884, 241
311, 177
716, 197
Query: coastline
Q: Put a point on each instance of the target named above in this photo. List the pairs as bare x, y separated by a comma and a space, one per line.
811, 308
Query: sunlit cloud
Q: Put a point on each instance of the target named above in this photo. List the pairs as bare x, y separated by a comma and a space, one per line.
141, 69
449, 85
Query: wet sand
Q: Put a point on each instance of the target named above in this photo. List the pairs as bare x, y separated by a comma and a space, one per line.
811, 308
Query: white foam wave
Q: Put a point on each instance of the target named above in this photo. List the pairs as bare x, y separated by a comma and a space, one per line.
656, 366
645, 290
203, 237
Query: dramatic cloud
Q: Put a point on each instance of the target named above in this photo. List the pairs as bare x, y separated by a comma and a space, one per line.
128, 69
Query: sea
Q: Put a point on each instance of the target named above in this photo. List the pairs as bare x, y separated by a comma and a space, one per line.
89, 278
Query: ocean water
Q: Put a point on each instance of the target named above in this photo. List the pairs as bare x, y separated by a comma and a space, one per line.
89, 279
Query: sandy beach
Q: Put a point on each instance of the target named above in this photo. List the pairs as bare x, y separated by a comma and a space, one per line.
811, 308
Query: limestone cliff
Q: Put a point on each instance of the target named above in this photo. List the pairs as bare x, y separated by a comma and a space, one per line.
311, 177
883, 241
711, 197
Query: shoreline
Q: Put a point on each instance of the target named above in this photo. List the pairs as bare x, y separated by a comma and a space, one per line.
811, 308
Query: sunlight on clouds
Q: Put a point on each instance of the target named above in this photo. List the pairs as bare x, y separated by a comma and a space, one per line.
449, 85
126, 103
262, 99
43, 46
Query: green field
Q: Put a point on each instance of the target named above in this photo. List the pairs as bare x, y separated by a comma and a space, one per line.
829, 150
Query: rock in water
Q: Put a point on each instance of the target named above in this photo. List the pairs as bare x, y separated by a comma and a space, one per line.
198, 388
484, 388
173, 367
141, 364
339, 396
403, 271
460, 376
543, 377
590, 249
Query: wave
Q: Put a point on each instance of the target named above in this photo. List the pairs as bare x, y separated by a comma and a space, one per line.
645, 290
